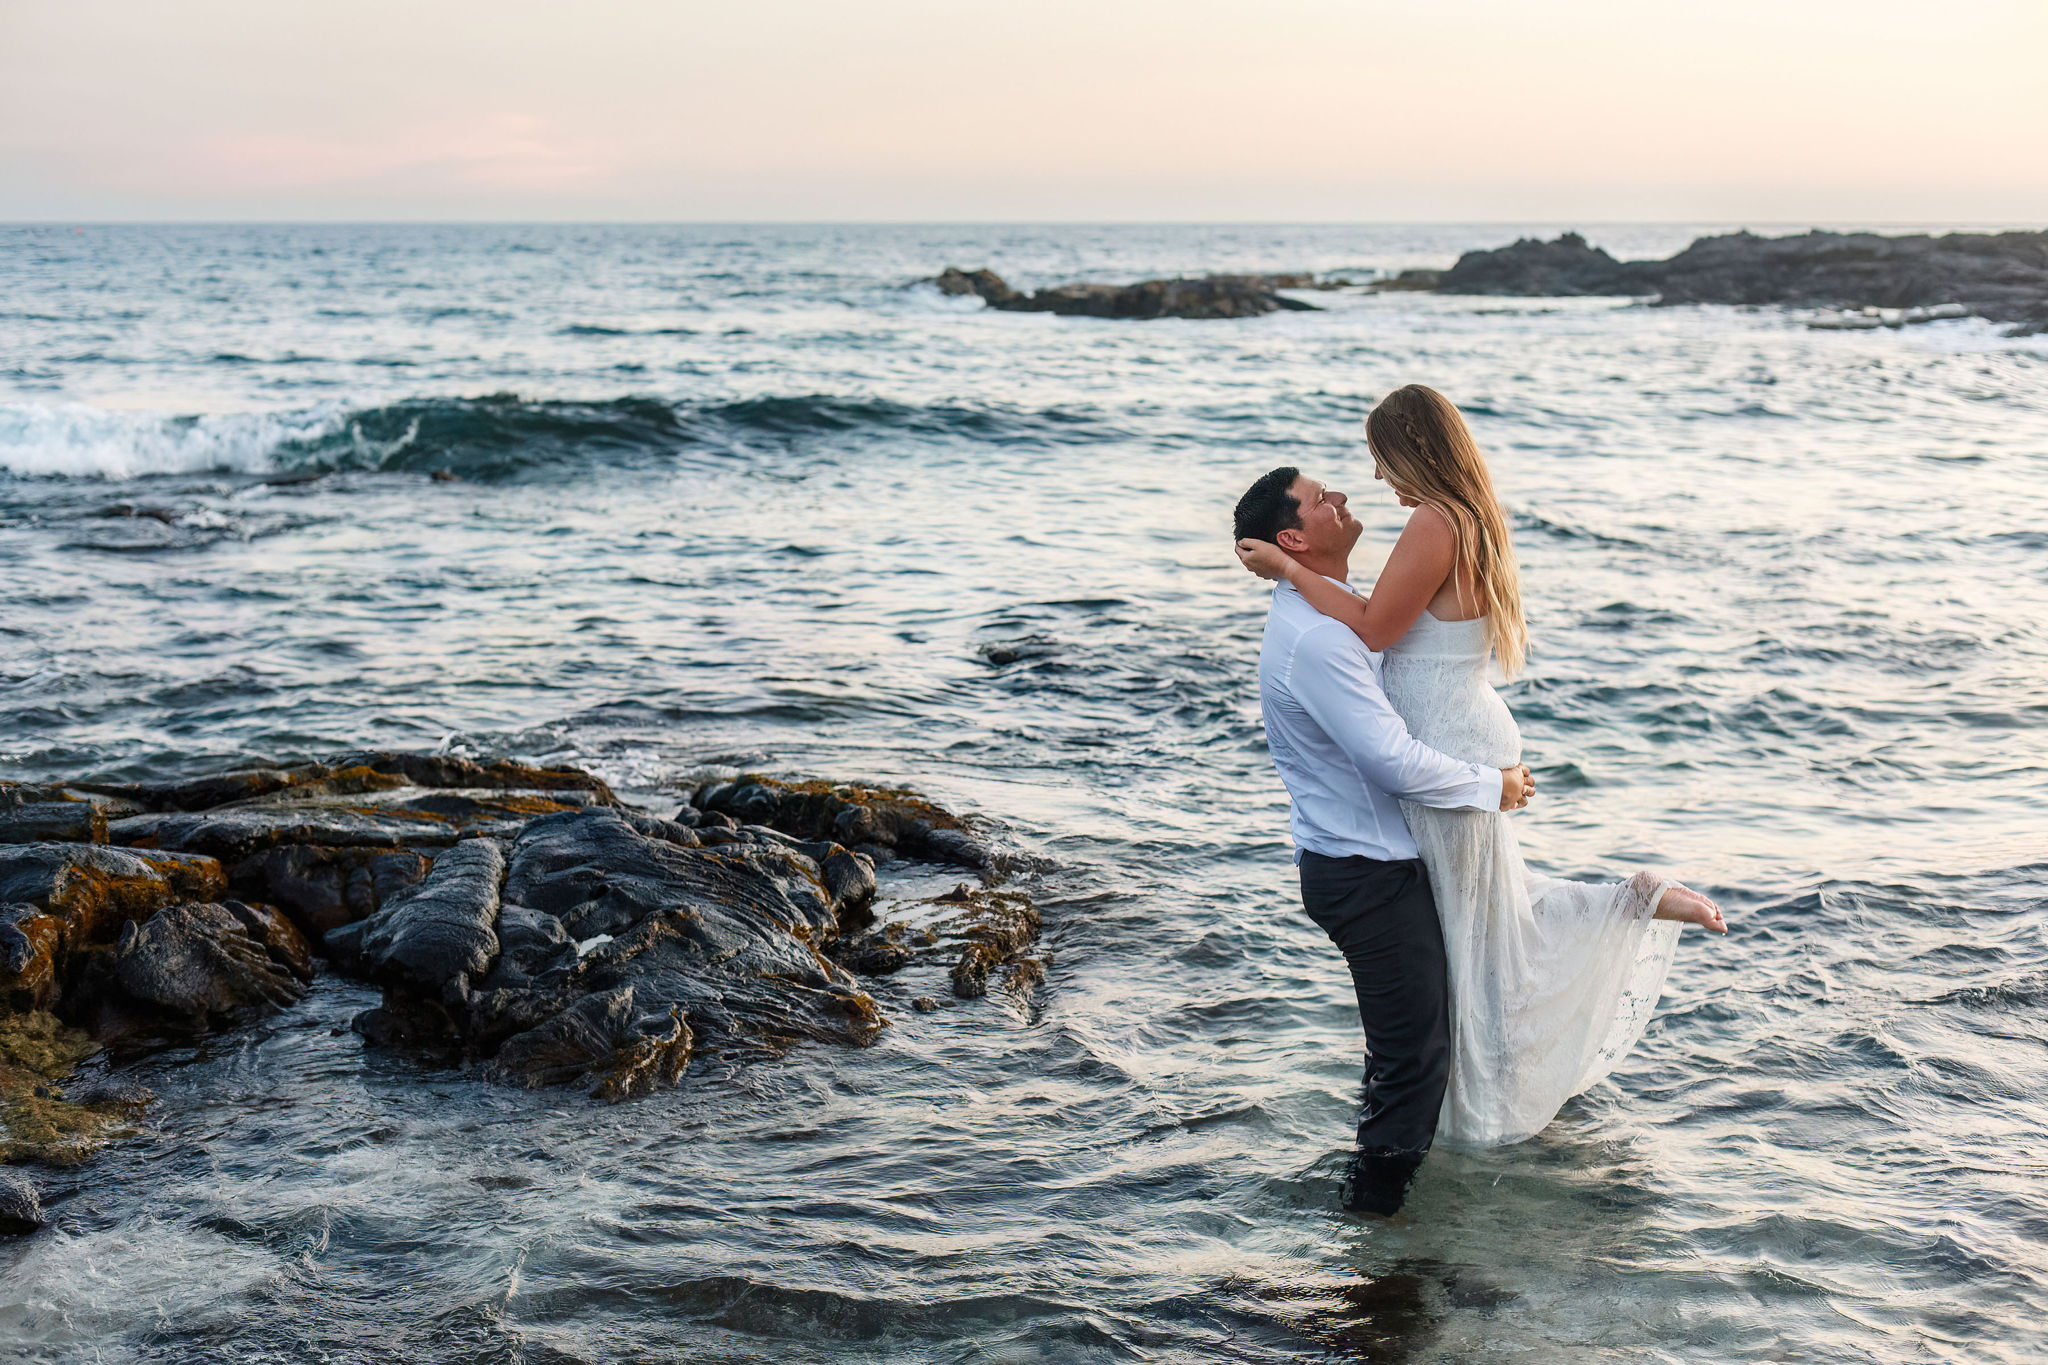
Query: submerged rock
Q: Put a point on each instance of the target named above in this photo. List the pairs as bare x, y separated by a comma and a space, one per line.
21, 1206
1999, 276
45, 1117
1213, 296
977, 929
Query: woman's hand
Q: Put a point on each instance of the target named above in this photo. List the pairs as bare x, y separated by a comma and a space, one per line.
1263, 558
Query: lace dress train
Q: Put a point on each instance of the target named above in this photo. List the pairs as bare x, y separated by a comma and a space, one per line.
1552, 982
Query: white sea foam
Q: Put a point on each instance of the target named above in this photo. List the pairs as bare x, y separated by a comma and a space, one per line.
78, 440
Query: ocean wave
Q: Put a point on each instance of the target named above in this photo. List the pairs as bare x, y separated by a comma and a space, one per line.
492, 437
77, 440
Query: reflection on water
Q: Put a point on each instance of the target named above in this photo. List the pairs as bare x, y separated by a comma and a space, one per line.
730, 498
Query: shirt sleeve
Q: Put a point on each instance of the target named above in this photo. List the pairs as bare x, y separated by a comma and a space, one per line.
1341, 694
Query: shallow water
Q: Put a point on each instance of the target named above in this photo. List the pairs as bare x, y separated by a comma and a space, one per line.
755, 504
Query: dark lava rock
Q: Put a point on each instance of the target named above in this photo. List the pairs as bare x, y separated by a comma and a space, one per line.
194, 966
850, 815
191, 876
1563, 268
1999, 276
993, 928
61, 901
348, 773
201, 793
604, 1043
518, 919
674, 831
615, 953
437, 934
880, 951
985, 284
21, 1207
323, 888
1213, 296
399, 815
28, 793
35, 822
1000, 652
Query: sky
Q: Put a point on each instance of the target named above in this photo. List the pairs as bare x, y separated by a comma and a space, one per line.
1764, 111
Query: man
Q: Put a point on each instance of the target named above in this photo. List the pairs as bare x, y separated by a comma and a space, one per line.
1347, 761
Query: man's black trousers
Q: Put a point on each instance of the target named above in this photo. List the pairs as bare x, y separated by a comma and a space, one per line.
1382, 917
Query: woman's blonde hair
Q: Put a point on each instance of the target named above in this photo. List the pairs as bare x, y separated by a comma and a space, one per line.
1426, 451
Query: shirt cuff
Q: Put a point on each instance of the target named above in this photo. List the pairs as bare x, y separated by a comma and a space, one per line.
1497, 783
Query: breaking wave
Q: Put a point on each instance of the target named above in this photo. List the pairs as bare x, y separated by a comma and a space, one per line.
496, 436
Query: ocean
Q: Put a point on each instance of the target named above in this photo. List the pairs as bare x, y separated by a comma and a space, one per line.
675, 502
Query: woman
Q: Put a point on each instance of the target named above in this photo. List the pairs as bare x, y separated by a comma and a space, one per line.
1552, 982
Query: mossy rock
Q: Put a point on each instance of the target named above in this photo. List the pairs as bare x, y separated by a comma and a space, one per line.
37, 1122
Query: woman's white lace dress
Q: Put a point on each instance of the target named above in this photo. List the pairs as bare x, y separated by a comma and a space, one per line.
1552, 982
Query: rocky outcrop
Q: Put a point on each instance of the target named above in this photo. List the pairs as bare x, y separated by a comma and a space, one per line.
1211, 296
1564, 268
520, 921
604, 1043
195, 966
984, 284
1999, 276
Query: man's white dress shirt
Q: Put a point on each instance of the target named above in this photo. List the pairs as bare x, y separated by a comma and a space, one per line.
1346, 757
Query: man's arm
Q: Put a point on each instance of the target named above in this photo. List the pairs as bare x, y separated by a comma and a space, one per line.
1335, 685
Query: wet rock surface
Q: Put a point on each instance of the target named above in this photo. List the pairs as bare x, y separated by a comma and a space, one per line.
520, 921
437, 933
880, 820
37, 821
59, 903
2002, 276
48, 1115
195, 966
982, 933
1212, 296
21, 1207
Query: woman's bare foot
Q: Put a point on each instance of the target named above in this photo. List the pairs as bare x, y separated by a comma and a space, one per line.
1688, 906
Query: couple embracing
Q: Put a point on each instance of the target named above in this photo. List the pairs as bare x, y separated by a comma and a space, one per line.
1490, 995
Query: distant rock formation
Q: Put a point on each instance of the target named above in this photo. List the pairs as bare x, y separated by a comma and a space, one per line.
1213, 296
1999, 276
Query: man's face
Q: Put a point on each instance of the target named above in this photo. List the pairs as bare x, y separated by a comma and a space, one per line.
1327, 526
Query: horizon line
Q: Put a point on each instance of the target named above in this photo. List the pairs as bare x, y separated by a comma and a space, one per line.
1006, 222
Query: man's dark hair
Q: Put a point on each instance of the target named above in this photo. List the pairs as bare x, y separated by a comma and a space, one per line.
1268, 507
